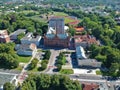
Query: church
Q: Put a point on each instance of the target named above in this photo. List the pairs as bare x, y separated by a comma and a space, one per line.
56, 35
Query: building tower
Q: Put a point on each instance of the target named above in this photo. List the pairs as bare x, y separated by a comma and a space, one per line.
57, 24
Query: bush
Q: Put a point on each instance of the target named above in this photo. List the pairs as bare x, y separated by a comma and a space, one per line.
43, 65
59, 66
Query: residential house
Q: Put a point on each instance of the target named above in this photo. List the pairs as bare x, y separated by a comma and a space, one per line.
26, 49
4, 37
14, 35
30, 38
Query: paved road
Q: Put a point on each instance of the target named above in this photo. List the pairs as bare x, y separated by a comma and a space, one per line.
51, 63
22, 75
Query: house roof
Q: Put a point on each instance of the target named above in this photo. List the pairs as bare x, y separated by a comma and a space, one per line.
90, 86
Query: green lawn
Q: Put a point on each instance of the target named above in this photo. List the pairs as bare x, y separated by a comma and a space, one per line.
19, 68
60, 14
28, 11
24, 59
66, 71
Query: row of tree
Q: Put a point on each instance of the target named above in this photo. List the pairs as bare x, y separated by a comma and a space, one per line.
47, 82
61, 60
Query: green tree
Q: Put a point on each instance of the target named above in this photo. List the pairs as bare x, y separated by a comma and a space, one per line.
8, 86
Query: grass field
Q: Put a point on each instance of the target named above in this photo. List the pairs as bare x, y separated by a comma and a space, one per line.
19, 68
66, 71
33, 70
37, 18
28, 11
24, 59
60, 14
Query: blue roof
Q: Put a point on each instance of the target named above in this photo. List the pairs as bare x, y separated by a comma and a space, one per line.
50, 36
62, 36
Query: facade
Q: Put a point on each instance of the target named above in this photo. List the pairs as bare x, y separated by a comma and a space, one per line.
4, 37
56, 35
89, 63
85, 40
26, 49
13, 36
29, 38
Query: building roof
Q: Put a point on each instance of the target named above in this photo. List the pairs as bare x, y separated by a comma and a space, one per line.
27, 47
56, 18
79, 29
90, 86
86, 38
51, 30
3, 34
60, 36
2, 31
74, 22
19, 31
29, 36
80, 52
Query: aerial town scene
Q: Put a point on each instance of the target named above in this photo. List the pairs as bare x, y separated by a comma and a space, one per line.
59, 44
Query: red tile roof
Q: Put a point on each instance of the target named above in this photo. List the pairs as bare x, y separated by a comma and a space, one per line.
85, 38
79, 29
74, 23
90, 86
